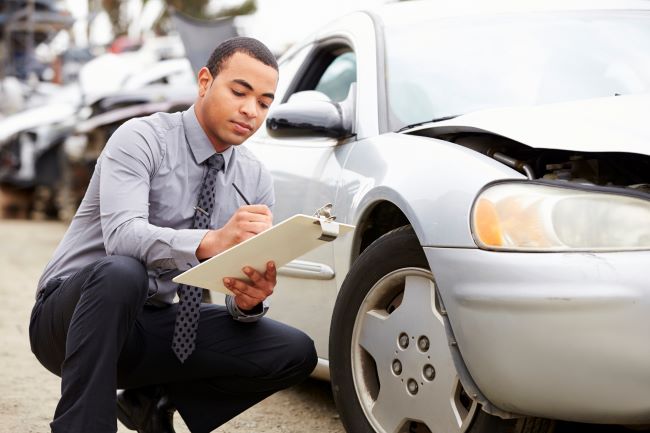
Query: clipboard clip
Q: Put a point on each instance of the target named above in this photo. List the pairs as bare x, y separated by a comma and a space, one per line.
329, 228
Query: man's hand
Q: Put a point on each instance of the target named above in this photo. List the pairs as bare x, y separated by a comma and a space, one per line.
247, 296
245, 223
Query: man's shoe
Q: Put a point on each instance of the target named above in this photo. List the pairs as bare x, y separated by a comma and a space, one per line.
145, 410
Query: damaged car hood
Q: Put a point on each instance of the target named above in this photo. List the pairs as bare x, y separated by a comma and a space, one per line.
611, 124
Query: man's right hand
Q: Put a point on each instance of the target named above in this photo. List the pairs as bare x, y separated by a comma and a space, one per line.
245, 223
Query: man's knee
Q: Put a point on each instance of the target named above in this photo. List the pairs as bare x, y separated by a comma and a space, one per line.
298, 355
121, 279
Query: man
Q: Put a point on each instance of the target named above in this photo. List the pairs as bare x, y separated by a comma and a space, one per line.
160, 200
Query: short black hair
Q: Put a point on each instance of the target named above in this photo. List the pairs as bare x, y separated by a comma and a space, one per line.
249, 46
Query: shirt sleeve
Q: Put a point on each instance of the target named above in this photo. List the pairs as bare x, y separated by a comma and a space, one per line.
265, 192
250, 316
129, 161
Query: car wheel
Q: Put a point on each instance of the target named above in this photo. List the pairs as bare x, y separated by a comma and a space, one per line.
390, 365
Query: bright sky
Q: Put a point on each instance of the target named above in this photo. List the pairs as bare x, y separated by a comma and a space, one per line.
278, 23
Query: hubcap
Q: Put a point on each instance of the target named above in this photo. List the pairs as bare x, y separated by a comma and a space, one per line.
402, 366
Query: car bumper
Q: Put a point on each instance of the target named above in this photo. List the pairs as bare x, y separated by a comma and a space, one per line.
557, 335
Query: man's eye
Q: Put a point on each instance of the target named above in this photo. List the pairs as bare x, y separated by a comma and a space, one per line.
236, 93
264, 106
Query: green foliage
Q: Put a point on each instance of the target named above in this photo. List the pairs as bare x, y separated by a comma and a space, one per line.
246, 8
192, 8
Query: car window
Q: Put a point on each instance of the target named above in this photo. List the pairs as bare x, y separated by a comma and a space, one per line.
338, 77
288, 68
330, 69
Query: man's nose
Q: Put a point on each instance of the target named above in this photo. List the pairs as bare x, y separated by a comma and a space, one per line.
249, 108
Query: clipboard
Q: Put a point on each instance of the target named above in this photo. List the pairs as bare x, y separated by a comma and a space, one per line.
282, 243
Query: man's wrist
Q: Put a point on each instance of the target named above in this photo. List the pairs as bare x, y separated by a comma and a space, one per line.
242, 316
257, 309
210, 245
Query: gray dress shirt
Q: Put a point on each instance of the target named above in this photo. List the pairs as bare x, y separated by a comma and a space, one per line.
141, 197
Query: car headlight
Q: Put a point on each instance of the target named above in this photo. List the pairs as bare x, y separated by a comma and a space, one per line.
525, 216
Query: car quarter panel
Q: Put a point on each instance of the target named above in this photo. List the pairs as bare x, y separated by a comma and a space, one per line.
433, 182
560, 335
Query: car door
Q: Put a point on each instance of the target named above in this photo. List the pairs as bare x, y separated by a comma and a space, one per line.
306, 173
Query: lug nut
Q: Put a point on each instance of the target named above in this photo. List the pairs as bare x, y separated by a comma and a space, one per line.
423, 343
403, 340
429, 372
397, 367
412, 386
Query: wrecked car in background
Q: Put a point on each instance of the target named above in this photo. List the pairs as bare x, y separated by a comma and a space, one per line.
48, 150
83, 146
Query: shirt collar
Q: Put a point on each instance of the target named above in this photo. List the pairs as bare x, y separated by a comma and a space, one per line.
198, 141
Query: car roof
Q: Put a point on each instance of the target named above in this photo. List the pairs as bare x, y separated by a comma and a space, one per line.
406, 12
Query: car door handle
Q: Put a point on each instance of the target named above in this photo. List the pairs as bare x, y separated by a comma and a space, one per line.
306, 270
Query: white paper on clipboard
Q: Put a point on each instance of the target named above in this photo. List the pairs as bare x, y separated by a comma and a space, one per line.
282, 243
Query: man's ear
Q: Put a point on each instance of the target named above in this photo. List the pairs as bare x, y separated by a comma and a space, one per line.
204, 80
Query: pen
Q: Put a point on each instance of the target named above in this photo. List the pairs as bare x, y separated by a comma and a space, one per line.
240, 194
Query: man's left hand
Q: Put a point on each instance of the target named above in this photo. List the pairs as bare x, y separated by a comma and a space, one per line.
249, 295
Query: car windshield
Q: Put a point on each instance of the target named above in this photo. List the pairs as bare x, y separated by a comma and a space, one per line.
449, 67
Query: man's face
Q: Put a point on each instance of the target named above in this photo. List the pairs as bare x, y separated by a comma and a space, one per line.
234, 104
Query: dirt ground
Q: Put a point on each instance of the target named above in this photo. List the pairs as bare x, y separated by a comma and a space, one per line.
29, 392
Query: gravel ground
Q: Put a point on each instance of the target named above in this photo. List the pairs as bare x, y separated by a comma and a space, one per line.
29, 392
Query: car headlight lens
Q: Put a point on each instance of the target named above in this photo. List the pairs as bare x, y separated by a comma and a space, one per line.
536, 217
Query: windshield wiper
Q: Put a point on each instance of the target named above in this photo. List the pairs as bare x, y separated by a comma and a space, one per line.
438, 119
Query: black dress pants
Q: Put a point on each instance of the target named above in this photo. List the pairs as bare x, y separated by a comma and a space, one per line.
94, 330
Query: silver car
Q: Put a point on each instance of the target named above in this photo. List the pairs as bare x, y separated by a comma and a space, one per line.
495, 164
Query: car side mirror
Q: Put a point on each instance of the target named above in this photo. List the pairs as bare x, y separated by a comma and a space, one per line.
312, 114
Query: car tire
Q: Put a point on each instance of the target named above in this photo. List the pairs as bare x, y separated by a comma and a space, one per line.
390, 365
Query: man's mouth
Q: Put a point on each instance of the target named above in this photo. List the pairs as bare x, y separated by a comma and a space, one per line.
243, 125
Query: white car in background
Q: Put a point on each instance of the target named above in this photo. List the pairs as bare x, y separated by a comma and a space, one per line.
495, 164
